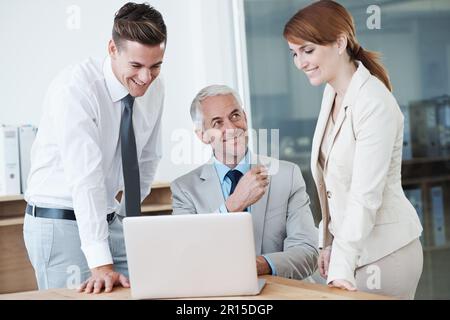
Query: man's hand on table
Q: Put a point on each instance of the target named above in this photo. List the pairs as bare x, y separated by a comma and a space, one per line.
103, 277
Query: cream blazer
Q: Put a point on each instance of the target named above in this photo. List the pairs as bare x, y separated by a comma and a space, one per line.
365, 214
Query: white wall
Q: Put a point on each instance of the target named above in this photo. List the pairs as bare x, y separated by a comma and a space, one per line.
37, 43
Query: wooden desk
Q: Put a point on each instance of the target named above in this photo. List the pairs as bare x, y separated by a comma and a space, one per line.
276, 288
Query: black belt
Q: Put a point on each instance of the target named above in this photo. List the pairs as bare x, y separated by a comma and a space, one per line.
51, 213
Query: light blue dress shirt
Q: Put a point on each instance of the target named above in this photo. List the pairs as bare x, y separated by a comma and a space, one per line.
225, 182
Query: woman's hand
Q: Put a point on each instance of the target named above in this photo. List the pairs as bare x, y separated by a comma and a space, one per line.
342, 284
324, 261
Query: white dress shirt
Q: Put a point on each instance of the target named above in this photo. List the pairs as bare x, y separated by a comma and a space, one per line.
76, 157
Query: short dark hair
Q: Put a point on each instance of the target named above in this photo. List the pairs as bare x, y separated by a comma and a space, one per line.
139, 22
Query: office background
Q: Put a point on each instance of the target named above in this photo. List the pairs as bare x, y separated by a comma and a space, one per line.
42, 37
415, 45
239, 43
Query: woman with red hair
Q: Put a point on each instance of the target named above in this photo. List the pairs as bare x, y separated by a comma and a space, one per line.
369, 233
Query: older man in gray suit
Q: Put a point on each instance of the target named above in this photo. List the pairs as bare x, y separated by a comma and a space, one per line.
235, 180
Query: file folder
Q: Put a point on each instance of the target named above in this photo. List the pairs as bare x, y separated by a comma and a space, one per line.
27, 134
9, 161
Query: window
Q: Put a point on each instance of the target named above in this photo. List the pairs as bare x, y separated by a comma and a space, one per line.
415, 46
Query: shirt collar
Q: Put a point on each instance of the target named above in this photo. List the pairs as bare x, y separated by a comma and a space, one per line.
243, 166
359, 78
115, 88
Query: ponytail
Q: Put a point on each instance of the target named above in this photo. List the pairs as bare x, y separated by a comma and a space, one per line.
371, 60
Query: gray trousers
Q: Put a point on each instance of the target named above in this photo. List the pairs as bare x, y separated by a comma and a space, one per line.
54, 249
396, 275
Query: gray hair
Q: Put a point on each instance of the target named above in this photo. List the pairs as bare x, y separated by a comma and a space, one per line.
210, 91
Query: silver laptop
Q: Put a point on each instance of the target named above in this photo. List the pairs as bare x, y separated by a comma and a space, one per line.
198, 255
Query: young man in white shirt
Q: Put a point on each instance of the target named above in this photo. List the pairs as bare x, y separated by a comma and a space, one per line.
99, 134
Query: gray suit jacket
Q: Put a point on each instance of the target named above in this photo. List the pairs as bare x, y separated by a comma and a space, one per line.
282, 221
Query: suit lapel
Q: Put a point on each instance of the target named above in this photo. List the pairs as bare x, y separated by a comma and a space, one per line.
211, 186
325, 109
337, 126
258, 210
358, 79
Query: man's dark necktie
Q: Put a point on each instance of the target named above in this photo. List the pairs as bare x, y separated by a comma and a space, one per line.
130, 165
234, 176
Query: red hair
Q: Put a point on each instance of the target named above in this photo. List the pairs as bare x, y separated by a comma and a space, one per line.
322, 23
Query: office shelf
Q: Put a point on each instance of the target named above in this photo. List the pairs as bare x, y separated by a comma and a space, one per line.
414, 161
155, 208
425, 179
423, 174
437, 248
158, 200
11, 222
11, 198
